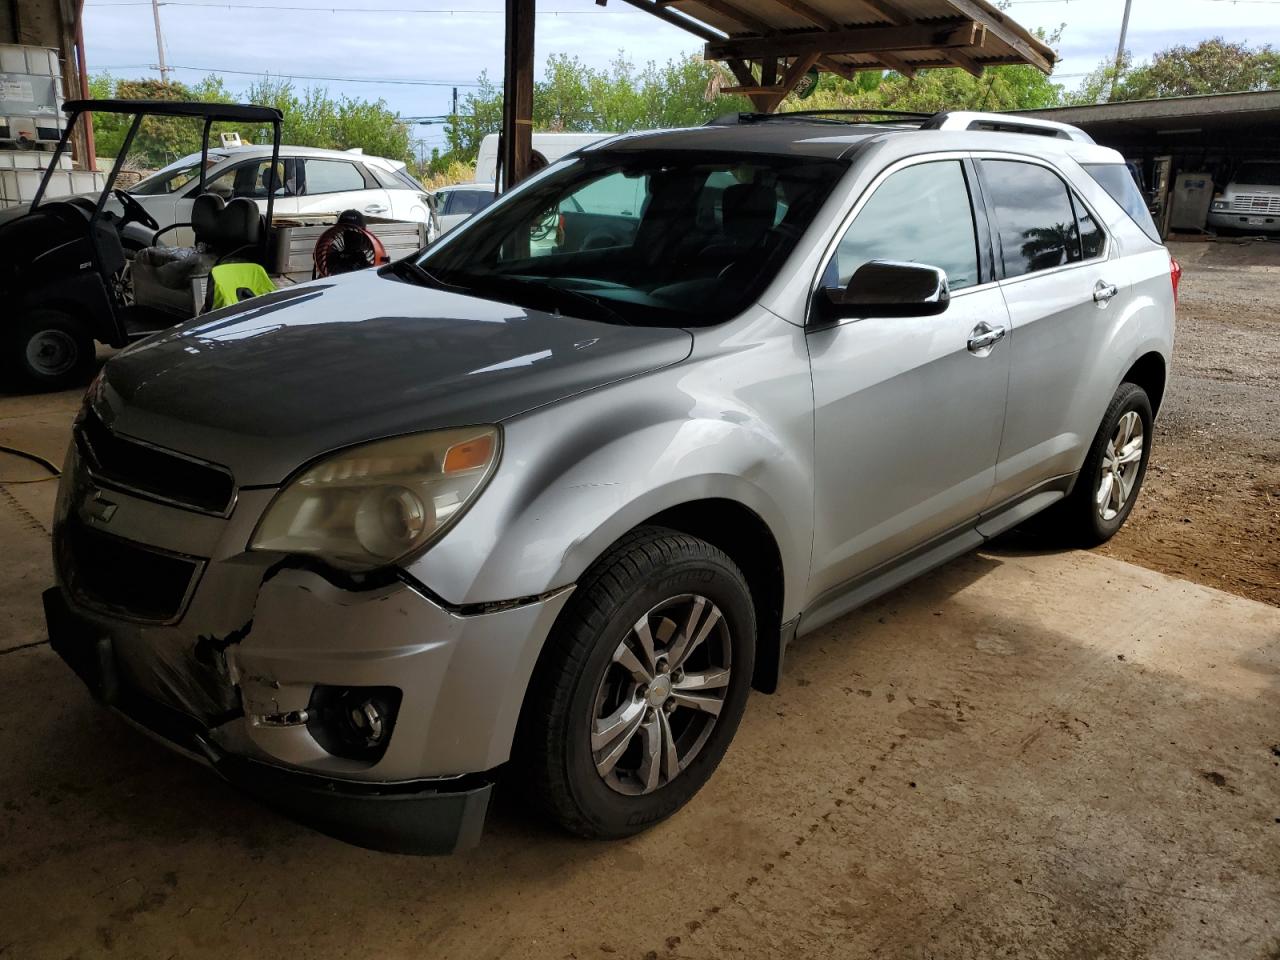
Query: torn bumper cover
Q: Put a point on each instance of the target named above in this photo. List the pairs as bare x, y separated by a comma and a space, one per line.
462, 679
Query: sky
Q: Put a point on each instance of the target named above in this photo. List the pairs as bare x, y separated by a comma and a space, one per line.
437, 44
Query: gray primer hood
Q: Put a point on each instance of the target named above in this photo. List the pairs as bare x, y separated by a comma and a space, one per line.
265, 387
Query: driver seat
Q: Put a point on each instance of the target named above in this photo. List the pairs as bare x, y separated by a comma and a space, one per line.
162, 276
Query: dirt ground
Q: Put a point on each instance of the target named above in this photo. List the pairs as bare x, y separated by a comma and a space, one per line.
1210, 507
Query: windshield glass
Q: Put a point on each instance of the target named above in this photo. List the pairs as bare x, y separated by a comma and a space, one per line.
173, 178
649, 238
1259, 174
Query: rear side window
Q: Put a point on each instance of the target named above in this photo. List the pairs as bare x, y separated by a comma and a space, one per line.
1116, 179
333, 176
469, 201
1034, 217
920, 214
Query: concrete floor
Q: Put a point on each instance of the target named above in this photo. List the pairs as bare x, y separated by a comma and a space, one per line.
1024, 755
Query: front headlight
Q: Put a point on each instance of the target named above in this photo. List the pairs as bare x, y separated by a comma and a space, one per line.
368, 506
1221, 205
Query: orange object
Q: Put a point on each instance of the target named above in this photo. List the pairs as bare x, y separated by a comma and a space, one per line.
468, 455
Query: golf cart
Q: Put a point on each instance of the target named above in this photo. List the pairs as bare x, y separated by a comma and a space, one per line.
73, 271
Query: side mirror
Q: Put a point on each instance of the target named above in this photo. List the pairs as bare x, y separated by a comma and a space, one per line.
888, 288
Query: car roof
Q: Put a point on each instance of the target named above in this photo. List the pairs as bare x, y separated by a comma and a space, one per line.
448, 188
828, 140
263, 150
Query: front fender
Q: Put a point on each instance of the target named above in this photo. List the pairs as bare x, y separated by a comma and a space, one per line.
577, 476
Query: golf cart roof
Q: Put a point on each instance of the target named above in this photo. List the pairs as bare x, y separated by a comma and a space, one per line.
248, 112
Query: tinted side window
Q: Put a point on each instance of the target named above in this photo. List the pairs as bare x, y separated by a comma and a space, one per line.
1116, 179
332, 176
1092, 239
468, 201
1034, 219
920, 214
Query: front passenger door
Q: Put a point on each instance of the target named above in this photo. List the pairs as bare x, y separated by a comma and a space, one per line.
908, 410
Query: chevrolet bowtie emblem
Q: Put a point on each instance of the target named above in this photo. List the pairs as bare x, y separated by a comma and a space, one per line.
100, 509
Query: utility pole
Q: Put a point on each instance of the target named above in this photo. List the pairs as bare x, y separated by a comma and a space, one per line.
455, 103
1124, 33
155, 14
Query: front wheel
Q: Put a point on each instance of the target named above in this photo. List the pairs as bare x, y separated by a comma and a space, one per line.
1111, 478
641, 686
47, 350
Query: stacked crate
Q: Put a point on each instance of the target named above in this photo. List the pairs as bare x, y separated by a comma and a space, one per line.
31, 123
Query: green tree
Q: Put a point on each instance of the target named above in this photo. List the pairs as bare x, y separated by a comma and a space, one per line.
1211, 66
311, 119
573, 97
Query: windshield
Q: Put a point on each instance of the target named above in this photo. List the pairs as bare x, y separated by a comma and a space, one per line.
174, 177
649, 238
1259, 174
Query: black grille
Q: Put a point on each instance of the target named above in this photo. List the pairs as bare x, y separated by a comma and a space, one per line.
122, 576
130, 465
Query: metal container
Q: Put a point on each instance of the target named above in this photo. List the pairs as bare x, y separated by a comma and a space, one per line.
295, 241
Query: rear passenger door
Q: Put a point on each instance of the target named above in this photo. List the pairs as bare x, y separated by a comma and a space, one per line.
908, 410
332, 186
1064, 290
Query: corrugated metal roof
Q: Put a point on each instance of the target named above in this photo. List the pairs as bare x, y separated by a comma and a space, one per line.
851, 35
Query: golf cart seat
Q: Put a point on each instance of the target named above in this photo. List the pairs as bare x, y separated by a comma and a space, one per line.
162, 276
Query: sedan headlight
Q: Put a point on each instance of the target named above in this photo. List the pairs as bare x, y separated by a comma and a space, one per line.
368, 506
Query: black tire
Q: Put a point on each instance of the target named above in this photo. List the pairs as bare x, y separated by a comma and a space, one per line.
554, 753
1077, 520
47, 350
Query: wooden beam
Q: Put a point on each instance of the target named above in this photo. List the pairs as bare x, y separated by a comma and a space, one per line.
896, 63
726, 9
867, 40
1000, 29
517, 93
846, 70
795, 73
964, 62
816, 17
888, 11
701, 31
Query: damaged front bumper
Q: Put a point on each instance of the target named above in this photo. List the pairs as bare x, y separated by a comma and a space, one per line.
427, 816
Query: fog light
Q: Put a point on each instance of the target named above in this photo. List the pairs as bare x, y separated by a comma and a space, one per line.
353, 722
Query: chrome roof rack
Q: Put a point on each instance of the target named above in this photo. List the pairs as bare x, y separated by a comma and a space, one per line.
1004, 123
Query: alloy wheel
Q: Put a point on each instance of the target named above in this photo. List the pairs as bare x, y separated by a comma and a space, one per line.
1121, 462
661, 695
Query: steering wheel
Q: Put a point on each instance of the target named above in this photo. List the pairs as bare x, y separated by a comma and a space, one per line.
133, 210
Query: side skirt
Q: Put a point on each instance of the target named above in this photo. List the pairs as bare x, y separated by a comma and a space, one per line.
847, 597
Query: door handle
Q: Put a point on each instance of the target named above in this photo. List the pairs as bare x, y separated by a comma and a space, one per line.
375, 208
1103, 291
984, 337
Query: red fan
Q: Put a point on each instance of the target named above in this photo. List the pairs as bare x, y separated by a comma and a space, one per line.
345, 247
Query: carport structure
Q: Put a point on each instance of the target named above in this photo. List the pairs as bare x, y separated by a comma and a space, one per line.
772, 45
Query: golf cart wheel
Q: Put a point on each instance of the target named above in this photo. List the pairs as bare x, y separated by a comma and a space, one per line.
640, 687
47, 350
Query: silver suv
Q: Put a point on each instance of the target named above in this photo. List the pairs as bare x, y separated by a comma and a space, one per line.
551, 497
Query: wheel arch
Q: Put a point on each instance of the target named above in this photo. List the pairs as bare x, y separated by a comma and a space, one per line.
1150, 373
745, 537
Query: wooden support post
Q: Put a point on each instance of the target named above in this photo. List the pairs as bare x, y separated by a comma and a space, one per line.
516, 148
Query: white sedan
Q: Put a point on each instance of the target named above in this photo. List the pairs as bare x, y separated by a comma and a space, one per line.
306, 181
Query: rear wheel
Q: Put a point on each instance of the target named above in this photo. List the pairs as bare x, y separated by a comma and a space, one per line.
47, 350
1108, 484
641, 687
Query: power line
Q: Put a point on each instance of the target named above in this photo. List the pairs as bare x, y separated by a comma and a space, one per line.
301, 76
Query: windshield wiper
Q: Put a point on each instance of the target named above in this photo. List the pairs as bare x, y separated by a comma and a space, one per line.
408, 268
539, 285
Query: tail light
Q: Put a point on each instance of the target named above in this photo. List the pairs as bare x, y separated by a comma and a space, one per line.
1175, 276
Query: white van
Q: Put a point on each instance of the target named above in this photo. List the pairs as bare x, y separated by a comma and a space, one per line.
552, 146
